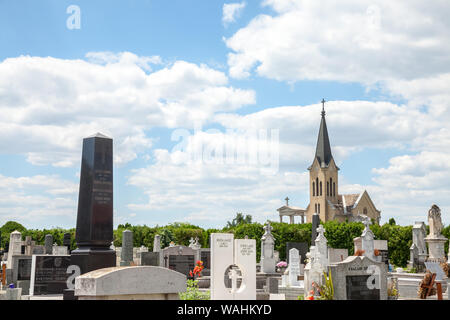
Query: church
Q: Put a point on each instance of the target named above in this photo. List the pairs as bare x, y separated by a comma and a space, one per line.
324, 197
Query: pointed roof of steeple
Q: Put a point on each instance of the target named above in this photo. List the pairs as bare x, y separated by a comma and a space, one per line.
323, 148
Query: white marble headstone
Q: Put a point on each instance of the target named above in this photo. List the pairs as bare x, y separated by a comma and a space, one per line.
294, 267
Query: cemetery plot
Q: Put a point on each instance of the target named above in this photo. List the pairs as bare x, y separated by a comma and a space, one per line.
49, 274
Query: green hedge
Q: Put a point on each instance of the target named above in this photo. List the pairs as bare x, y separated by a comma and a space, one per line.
339, 235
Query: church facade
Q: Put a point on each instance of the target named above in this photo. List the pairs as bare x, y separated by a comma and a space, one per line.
324, 196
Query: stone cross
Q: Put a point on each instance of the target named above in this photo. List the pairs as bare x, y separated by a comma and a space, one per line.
234, 276
191, 242
287, 201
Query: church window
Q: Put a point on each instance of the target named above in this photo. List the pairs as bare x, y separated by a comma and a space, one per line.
318, 208
314, 189
328, 188
317, 186
315, 207
334, 189
365, 211
320, 187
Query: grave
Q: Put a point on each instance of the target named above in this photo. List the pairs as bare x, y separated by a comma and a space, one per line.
15, 247
126, 257
233, 259
302, 248
149, 259
48, 244
435, 240
22, 268
267, 250
130, 283
67, 240
94, 230
179, 258
294, 268
359, 278
49, 274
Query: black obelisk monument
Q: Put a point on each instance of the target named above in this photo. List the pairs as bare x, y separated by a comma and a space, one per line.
94, 232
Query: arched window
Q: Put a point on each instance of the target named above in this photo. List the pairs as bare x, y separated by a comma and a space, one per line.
318, 208
365, 211
314, 189
317, 186
328, 188
315, 208
320, 187
334, 189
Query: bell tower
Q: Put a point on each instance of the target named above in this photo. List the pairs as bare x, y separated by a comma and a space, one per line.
323, 176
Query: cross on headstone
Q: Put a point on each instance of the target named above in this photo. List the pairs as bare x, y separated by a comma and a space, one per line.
321, 231
234, 276
287, 201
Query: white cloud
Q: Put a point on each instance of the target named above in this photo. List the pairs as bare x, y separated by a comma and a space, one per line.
212, 192
37, 199
349, 40
48, 105
232, 11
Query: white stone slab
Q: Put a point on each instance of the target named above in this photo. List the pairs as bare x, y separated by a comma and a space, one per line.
245, 259
221, 258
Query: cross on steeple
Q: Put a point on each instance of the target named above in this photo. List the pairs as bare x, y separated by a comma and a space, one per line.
287, 201
323, 107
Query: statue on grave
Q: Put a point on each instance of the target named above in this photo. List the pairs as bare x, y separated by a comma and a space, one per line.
435, 221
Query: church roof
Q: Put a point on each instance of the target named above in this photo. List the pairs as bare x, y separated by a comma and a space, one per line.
323, 148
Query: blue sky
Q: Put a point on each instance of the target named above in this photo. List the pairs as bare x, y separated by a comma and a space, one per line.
141, 70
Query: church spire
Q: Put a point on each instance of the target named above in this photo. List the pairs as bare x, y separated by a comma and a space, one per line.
323, 149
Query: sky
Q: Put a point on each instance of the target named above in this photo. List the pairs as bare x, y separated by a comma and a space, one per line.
214, 106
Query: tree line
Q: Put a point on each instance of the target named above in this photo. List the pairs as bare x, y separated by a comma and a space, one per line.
339, 235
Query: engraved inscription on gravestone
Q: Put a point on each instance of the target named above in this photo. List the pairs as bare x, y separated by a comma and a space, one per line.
49, 274
182, 263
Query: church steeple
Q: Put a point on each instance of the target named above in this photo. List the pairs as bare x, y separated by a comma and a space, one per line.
323, 149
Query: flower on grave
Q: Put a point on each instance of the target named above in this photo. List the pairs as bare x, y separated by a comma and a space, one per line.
197, 269
359, 253
282, 264
310, 298
376, 252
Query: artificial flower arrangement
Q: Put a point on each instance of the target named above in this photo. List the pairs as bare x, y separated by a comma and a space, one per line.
197, 272
282, 264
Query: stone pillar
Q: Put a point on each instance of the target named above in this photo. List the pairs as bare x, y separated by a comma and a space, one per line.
303, 219
94, 231
15, 247
48, 244
126, 256
291, 219
315, 225
157, 243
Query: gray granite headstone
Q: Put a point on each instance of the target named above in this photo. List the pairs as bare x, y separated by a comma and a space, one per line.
38, 250
48, 244
149, 259
127, 248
